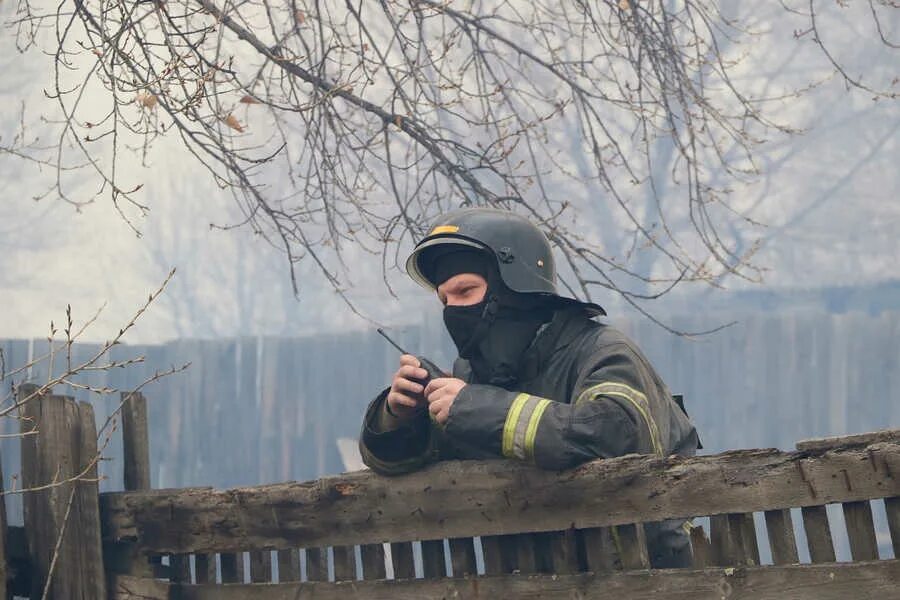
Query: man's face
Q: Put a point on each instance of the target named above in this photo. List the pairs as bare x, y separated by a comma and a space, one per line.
463, 289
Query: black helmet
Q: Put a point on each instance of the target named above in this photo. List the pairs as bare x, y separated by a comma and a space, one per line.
523, 255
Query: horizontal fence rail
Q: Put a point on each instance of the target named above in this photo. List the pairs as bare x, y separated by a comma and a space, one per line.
860, 581
464, 499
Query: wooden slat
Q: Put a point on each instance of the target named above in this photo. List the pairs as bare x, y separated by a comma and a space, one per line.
344, 563
783, 544
700, 548
373, 561
260, 566
860, 581
600, 549
818, 534
633, 546
860, 530
749, 549
180, 568
892, 508
316, 564
462, 557
733, 540
402, 560
842, 441
232, 566
205, 568
85, 529
556, 552
506, 497
526, 557
490, 553
433, 559
288, 565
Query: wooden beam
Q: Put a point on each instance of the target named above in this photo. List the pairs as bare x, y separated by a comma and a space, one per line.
494, 497
858, 439
861, 581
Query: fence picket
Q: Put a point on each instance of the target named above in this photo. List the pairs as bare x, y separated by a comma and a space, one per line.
232, 566
344, 563
433, 559
316, 564
780, 528
599, 549
633, 546
860, 530
205, 568
288, 565
402, 560
818, 534
373, 561
462, 556
260, 566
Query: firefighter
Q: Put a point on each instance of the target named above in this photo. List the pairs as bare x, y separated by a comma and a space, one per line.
538, 379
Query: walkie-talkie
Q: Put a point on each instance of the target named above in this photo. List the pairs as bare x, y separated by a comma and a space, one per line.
433, 370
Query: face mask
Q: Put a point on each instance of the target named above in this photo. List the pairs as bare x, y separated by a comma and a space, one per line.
464, 323
493, 338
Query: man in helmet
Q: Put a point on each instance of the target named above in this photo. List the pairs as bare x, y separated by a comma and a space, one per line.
537, 378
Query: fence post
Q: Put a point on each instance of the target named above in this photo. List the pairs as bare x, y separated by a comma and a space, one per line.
122, 557
62, 513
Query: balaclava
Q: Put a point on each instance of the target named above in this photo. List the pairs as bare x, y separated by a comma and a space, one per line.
494, 333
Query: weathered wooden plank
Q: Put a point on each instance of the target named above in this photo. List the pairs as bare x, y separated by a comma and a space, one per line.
462, 557
205, 568
556, 552
344, 563
402, 560
600, 551
260, 566
232, 567
892, 508
633, 546
733, 540
494, 497
841, 441
780, 528
86, 535
433, 559
492, 554
61, 515
526, 552
861, 581
135, 441
180, 568
701, 548
860, 530
288, 565
818, 534
316, 564
373, 561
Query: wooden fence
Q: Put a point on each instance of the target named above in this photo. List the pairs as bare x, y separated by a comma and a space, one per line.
479, 529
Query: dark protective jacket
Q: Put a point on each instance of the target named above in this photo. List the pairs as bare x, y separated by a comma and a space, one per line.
585, 391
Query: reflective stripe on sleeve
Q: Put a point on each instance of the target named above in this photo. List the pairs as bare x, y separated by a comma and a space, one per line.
533, 422
509, 427
636, 398
521, 426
